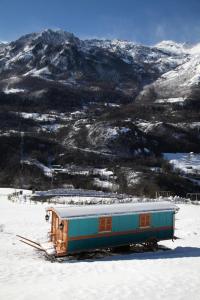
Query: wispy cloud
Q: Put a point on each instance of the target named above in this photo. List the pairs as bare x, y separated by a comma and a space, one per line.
160, 32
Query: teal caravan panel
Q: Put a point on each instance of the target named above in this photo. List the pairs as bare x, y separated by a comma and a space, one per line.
161, 219
125, 222
100, 242
80, 227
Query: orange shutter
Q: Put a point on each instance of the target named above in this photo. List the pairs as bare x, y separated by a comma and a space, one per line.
145, 220
102, 224
105, 224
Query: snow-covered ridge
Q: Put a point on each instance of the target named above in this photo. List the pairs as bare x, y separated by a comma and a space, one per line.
49, 36
58, 56
187, 74
131, 52
195, 49
173, 47
179, 48
34, 46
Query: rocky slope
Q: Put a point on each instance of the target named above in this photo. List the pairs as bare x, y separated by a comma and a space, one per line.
180, 84
60, 56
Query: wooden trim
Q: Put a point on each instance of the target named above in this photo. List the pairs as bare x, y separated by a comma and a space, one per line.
107, 234
57, 236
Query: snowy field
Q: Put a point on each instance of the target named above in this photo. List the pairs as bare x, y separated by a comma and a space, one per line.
25, 274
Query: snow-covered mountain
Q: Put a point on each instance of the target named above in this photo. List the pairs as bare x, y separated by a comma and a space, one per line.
56, 56
173, 47
107, 103
181, 83
160, 59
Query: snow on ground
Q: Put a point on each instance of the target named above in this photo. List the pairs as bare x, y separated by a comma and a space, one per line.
86, 170
105, 184
38, 72
102, 172
171, 100
13, 91
39, 117
188, 163
81, 193
26, 275
147, 126
46, 170
52, 127
133, 178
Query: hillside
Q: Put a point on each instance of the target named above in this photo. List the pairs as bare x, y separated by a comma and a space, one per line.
70, 106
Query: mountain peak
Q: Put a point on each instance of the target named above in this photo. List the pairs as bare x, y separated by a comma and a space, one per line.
57, 36
48, 36
195, 49
172, 46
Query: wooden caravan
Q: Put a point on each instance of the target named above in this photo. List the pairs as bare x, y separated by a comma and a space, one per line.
77, 229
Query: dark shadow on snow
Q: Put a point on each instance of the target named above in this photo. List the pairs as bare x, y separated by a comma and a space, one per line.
178, 252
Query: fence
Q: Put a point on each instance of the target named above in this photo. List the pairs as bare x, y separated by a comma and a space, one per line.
193, 196
164, 194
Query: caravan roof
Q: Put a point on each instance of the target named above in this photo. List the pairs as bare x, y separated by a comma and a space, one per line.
68, 212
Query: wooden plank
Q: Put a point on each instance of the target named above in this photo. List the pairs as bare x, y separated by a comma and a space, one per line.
21, 237
32, 244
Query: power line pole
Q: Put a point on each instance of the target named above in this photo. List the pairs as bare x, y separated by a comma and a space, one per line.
21, 158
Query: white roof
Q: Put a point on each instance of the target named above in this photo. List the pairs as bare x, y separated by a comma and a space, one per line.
112, 209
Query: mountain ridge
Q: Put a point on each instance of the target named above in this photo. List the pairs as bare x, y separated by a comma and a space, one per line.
60, 56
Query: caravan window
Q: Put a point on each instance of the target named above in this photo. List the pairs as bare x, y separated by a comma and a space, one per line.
105, 224
145, 220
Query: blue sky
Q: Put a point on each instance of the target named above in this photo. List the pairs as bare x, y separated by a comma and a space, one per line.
143, 21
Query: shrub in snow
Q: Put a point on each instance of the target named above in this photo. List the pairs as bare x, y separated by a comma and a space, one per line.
2, 226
